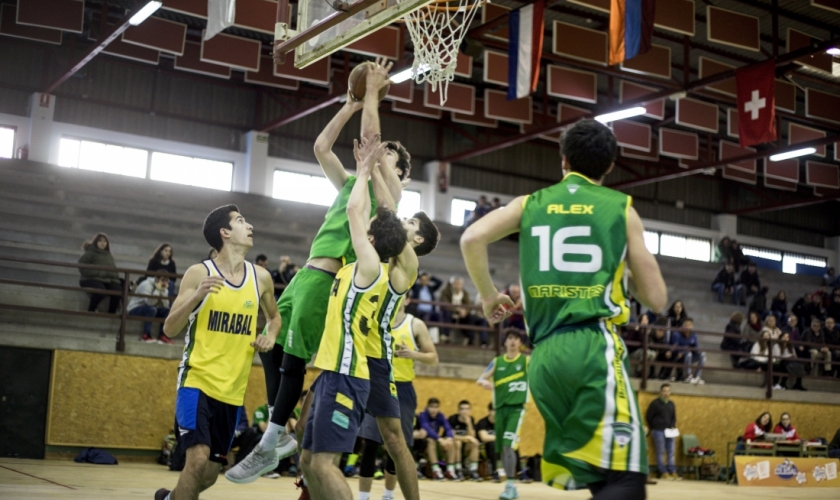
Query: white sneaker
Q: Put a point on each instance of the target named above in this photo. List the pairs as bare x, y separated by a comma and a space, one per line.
699, 381
777, 387
286, 446
688, 380
257, 463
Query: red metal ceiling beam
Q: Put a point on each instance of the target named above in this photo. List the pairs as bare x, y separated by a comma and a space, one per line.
105, 38
802, 202
657, 96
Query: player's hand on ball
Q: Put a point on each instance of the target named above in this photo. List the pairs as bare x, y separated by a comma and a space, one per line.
210, 284
263, 343
496, 307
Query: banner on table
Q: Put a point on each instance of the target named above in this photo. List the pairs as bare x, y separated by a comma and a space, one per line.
787, 471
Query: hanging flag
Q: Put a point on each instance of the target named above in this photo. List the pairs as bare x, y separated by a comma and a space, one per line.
220, 15
527, 28
631, 27
756, 88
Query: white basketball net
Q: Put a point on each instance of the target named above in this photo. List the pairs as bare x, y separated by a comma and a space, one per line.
437, 31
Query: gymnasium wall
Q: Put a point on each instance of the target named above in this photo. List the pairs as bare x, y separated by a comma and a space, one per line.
127, 402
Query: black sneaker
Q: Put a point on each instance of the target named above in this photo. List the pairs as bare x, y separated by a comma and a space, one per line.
474, 476
161, 494
496, 478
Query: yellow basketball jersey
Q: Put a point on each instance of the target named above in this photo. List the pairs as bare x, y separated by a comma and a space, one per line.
351, 317
218, 355
404, 334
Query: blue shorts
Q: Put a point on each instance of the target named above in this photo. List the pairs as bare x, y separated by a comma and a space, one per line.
382, 401
408, 405
336, 413
200, 419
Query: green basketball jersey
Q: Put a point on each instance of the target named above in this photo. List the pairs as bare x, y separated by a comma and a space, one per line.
572, 245
333, 239
510, 381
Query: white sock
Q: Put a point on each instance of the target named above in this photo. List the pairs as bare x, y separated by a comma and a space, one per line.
364, 495
473, 466
386, 495
271, 436
501, 472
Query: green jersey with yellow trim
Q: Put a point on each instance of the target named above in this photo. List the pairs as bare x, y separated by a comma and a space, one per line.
510, 380
572, 246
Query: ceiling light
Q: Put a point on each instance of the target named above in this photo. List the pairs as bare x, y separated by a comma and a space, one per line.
145, 12
833, 51
620, 115
793, 154
408, 74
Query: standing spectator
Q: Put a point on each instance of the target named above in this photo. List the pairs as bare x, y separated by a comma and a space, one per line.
457, 312
98, 253
677, 314
424, 290
819, 352
162, 261
786, 427
724, 283
833, 309
749, 284
486, 433
789, 364
829, 279
759, 302
661, 415
832, 340
466, 442
779, 307
515, 320
151, 307
432, 421
738, 257
755, 431
688, 347
723, 251
735, 344
261, 261
770, 326
283, 274
752, 328
760, 354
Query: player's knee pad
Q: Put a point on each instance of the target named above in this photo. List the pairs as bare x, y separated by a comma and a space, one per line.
367, 460
390, 466
293, 366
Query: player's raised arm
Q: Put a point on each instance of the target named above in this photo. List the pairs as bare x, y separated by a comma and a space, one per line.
490, 228
381, 190
264, 343
195, 285
358, 212
375, 79
330, 163
649, 287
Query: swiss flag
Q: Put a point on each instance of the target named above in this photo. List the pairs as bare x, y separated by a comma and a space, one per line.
756, 103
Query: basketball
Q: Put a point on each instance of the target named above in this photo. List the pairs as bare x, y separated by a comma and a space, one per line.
357, 83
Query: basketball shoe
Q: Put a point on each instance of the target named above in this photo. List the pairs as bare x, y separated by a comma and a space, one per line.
161, 494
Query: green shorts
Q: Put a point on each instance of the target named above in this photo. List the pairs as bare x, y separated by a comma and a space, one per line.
579, 381
303, 308
507, 426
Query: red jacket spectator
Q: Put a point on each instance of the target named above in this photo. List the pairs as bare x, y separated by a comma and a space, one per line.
755, 431
790, 433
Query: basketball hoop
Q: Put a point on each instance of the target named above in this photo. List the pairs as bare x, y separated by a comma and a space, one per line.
437, 30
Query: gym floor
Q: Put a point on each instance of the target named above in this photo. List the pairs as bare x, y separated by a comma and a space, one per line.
53, 479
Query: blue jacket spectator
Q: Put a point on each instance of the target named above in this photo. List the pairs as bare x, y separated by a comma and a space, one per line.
432, 420
686, 348
424, 290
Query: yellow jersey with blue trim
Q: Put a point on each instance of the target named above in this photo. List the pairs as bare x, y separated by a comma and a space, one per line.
351, 317
403, 333
218, 356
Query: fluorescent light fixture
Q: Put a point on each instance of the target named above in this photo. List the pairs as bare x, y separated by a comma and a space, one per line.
833, 51
145, 12
793, 154
620, 115
408, 74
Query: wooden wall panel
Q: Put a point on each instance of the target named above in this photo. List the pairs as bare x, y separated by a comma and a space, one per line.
577, 42
656, 62
675, 15
732, 28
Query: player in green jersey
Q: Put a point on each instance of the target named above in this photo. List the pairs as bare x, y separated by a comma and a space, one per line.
507, 377
576, 240
303, 305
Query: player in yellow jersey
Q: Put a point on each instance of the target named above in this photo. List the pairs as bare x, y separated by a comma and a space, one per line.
219, 301
342, 388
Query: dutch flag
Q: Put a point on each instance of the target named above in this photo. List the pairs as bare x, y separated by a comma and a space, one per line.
526, 28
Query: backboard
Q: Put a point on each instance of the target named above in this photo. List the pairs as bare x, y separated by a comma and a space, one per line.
311, 12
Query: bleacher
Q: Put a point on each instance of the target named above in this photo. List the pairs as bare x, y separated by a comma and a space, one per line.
47, 212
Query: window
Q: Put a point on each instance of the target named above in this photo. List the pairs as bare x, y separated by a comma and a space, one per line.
761, 253
652, 242
191, 171
312, 189
409, 204
100, 157
458, 211
790, 261
672, 245
7, 142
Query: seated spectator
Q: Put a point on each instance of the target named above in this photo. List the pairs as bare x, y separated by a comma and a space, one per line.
829, 279
486, 432
688, 349
735, 344
779, 307
659, 341
212, 254
820, 353
283, 274
723, 250
422, 291
453, 293
432, 421
98, 253
677, 314
748, 284
738, 257
792, 328
482, 208
634, 334
261, 261
760, 354
832, 340
496, 203
789, 363
466, 442
799, 308
724, 283
770, 326
814, 309
752, 328
759, 302
834, 445
756, 431
163, 262
833, 309
151, 307
516, 319
786, 427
